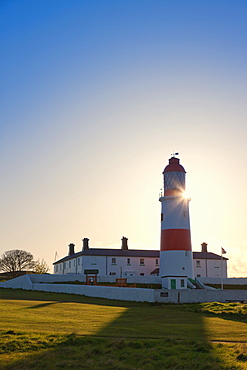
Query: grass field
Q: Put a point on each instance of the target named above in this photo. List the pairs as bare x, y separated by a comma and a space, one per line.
52, 330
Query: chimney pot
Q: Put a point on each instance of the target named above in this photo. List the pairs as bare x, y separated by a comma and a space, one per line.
124, 243
71, 249
204, 247
85, 245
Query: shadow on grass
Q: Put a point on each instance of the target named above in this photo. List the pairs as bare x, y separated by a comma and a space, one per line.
237, 316
35, 295
41, 305
228, 316
145, 336
75, 352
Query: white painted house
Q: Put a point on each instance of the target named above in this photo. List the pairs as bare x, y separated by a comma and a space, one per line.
207, 264
109, 262
125, 262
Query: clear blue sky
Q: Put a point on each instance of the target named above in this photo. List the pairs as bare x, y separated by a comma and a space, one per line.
95, 96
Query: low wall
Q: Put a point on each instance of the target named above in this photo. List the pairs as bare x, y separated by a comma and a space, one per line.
21, 282
217, 280
198, 295
123, 294
46, 278
34, 282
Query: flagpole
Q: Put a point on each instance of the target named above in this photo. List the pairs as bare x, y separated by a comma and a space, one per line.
221, 270
221, 259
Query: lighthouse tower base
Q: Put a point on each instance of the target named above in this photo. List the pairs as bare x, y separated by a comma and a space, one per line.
178, 267
174, 282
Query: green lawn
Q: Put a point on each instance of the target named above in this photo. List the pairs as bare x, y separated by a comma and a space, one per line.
51, 330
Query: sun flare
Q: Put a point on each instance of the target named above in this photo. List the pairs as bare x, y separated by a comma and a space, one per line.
186, 195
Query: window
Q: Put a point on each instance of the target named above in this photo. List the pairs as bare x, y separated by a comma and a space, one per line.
186, 254
128, 261
64, 265
182, 283
56, 268
183, 268
93, 261
112, 273
142, 261
113, 261
162, 217
78, 260
163, 294
198, 275
157, 262
60, 267
141, 274
198, 263
74, 262
69, 264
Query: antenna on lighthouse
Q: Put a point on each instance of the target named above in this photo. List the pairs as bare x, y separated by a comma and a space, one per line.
161, 192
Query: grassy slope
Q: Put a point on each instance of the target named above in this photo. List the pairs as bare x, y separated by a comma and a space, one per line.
36, 328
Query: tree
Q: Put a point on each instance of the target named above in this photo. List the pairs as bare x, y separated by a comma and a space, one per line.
16, 260
40, 267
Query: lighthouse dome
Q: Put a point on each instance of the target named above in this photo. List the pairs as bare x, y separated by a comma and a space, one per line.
174, 165
174, 178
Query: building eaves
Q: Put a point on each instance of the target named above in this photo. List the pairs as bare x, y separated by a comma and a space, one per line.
207, 256
133, 253
112, 253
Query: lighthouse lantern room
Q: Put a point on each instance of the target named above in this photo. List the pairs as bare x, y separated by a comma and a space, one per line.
176, 260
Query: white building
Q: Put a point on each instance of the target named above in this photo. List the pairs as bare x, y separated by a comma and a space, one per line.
125, 262
207, 264
109, 262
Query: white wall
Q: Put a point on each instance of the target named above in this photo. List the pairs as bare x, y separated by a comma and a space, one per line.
106, 265
46, 278
206, 268
198, 295
210, 268
177, 263
128, 294
124, 294
21, 282
230, 281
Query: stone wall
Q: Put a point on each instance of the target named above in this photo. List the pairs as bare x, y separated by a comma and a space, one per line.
21, 282
40, 282
124, 294
46, 278
230, 281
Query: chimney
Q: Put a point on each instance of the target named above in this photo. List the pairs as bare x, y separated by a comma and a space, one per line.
85, 245
204, 247
124, 243
71, 249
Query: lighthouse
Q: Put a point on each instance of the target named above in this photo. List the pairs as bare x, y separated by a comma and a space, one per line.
176, 260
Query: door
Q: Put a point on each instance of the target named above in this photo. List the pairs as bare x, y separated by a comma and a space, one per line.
173, 283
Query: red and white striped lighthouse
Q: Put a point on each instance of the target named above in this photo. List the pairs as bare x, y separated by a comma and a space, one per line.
176, 260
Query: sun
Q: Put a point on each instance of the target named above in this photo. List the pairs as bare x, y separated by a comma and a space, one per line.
186, 195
